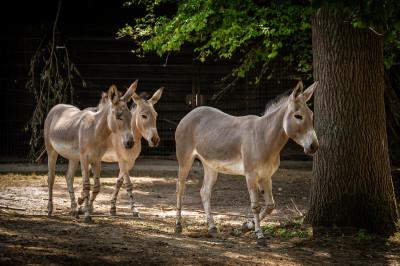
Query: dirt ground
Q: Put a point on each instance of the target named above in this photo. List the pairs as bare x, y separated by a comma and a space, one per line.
28, 236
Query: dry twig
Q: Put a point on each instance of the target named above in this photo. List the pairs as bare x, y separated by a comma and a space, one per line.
297, 209
50, 81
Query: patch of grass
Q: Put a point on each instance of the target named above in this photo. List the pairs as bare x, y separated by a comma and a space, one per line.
298, 221
290, 229
293, 232
363, 236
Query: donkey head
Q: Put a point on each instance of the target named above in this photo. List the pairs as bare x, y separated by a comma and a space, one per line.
298, 120
146, 117
119, 117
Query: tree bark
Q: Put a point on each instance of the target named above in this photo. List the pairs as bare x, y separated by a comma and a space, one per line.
351, 183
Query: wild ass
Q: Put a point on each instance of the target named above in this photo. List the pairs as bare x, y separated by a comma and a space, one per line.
143, 124
81, 135
247, 145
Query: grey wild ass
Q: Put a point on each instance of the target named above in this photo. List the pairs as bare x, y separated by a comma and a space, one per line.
81, 136
143, 124
247, 145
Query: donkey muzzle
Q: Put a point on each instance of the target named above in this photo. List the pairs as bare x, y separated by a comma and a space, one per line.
128, 142
154, 141
310, 150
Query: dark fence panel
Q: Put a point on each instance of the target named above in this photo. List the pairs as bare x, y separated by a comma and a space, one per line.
103, 60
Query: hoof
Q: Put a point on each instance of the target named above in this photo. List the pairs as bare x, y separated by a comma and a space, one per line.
245, 227
178, 228
80, 210
135, 214
213, 232
113, 212
49, 211
261, 242
80, 200
88, 220
75, 213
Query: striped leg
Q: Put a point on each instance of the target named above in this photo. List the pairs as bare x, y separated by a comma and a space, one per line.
266, 190
118, 184
96, 184
251, 180
85, 189
129, 188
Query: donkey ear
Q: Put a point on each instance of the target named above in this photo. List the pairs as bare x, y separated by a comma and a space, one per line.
129, 92
156, 96
309, 91
104, 97
297, 91
136, 98
113, 94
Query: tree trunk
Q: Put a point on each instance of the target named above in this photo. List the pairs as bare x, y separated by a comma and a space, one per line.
351, 183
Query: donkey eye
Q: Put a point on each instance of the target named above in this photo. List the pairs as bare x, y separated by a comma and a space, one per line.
144, 116
298, 117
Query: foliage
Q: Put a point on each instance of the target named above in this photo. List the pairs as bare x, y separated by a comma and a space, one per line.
380, 16
50, 80
364, 13
289, 229
257, 32
363, 236
254, 32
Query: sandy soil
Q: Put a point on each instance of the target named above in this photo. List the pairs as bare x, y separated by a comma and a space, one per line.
28, 236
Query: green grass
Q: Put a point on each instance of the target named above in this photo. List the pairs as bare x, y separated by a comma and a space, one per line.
290, 229
363, 236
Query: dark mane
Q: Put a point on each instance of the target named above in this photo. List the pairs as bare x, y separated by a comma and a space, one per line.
277, 101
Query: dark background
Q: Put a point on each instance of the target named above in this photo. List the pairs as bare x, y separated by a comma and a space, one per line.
88, 29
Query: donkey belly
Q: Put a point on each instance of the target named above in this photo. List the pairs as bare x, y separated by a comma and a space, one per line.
62, 124
231, 167
68, 150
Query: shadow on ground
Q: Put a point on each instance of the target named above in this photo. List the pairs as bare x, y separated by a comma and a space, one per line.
28, 236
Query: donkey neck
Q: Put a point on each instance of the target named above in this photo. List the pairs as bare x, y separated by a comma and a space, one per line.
102, 130
137, 135
270, 126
